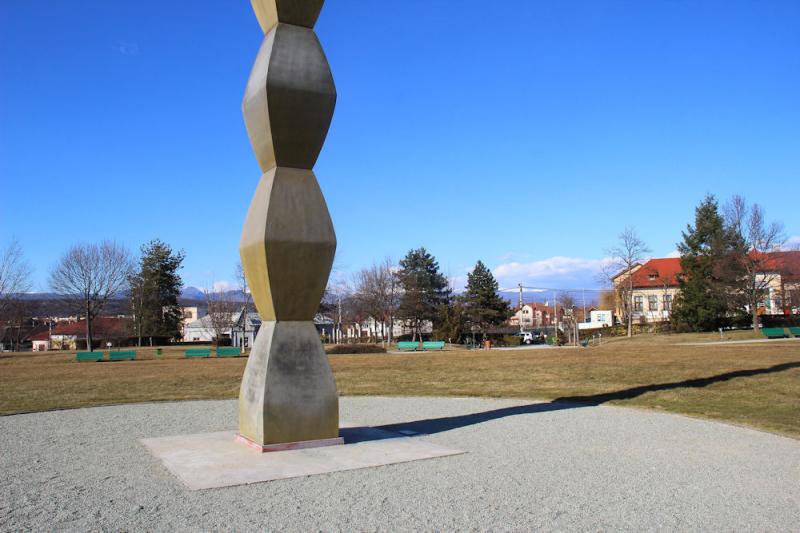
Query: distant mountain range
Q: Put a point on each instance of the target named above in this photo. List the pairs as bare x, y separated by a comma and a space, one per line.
192, 294
195, 294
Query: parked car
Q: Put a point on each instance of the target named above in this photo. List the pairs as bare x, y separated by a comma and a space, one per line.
530, 337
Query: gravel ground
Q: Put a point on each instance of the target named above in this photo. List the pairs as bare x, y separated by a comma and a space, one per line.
541, 467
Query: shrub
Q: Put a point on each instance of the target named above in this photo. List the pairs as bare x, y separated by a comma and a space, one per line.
355, 348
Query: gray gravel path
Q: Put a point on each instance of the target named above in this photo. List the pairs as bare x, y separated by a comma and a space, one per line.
529, 468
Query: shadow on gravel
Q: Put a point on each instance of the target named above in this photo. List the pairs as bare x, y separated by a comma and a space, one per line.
438, 425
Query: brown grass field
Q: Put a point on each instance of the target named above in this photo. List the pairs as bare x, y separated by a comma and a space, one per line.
751, 384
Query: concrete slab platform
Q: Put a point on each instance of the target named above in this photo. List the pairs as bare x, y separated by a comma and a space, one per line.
215, 460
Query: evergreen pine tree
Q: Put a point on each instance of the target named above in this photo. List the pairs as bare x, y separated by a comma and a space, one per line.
424, 289
155, 289
485, 308
709, 253
452, 320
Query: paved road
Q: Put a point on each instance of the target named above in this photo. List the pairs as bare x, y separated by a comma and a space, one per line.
528, 467
516, 348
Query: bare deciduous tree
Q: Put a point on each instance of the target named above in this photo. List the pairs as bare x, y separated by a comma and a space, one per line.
15, 274
247, 298
757, 240
88, 275
377, 294
221, 310
629, 252
607, 300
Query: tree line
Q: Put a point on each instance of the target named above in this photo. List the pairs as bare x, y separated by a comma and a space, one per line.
723, 255
415, 292
89, 276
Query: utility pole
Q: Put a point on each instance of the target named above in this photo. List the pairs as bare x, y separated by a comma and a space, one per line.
339, 328
555, 314
583, 294
521, 328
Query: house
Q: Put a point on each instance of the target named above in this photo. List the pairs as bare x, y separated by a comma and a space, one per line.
240, 328
655, 286
245, 328
202, 330
532, 315
16, 335
189, 315
782, 275
326, 327
71, 335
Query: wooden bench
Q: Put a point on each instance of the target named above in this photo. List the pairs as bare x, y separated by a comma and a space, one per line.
228, 351
89, 356
198, 352
433, 345
773, 333
407, 346
122, 356
795, 331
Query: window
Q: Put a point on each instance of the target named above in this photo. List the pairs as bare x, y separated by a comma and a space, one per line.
653, 277
637, 303
652, 302
667, 302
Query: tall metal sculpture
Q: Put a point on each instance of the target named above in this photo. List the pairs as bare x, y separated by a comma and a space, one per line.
288, 395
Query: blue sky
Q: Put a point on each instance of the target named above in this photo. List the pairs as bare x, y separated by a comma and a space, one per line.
524, 133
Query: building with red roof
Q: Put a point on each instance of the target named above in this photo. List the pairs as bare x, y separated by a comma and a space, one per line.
656, 285
71, 334
532, 315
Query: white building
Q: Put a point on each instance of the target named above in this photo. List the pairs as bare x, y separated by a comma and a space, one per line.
245, 328
201, 330
597, 320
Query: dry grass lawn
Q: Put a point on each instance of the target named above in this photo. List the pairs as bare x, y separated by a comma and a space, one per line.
752, 384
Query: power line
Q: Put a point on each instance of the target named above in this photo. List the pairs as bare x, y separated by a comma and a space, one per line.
549, 289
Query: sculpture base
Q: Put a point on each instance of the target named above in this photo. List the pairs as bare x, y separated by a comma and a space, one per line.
214, 460
284, 446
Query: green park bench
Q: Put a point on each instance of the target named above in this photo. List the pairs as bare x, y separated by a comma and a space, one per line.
89, 356
433, 345
795, 331
773, 333
228, 351
122, 356
407, 346
198, 352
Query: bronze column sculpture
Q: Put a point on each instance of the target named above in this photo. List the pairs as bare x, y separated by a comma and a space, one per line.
288, 396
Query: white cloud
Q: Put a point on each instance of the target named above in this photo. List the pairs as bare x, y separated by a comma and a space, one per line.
792, 243
222, 286
674, 253
458, 283
554, 272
